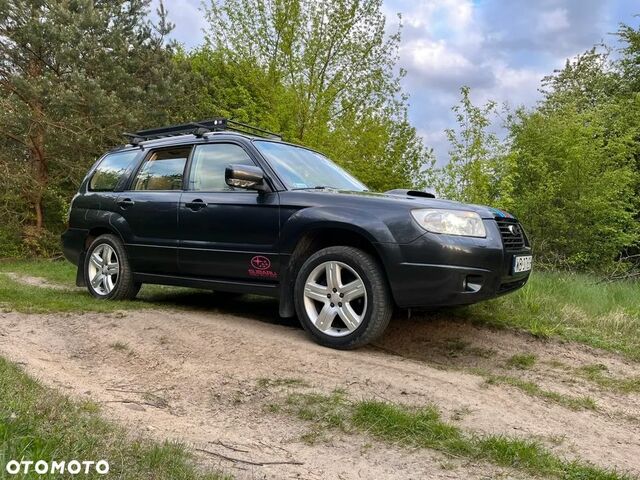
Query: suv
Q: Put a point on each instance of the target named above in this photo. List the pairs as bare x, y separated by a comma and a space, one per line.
228, 207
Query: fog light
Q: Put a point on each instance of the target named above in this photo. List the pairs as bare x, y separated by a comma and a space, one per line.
472, 283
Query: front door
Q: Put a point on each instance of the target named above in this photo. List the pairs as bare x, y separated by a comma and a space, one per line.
149, 209
226, 232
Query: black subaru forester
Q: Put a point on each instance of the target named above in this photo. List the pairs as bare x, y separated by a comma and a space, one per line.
228, 207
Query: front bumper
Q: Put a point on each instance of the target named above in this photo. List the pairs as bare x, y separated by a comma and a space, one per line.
444, 270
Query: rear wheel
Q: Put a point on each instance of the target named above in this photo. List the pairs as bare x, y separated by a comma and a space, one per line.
342, 298
107, 272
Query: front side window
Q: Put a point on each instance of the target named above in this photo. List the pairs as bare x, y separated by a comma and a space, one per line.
110, 171
163, 170
300, 168
209, 164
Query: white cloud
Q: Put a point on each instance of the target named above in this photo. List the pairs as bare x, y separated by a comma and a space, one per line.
456, 14
516, 86
429, 56
553, 21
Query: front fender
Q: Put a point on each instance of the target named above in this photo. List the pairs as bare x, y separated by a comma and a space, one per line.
315, 219
320, 218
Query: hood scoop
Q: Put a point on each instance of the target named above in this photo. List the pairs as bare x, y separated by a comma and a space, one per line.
401, 192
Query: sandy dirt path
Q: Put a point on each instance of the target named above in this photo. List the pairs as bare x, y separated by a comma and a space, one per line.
194, 376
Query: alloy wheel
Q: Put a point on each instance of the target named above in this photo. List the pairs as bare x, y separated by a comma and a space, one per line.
104, 269
335, 298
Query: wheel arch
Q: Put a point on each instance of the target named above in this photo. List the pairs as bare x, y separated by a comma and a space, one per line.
95, 232
92, 234
316, 238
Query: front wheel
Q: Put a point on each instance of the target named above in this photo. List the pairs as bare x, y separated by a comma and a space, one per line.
342, 297
107, 272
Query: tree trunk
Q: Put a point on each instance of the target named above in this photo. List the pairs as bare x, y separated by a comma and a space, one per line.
37, 139
40, 168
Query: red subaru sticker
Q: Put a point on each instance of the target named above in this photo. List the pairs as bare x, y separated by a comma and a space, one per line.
260, 262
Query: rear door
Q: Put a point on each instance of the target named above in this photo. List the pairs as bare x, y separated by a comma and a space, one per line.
226, 232
150, 210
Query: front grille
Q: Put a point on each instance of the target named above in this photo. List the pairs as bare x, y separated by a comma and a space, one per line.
512, 234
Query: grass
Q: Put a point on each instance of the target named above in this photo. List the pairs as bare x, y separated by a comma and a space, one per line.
533, 389
56, 271
17, 296
36, 423
522, 361
598, 374
570, 306
119, 346
425, 428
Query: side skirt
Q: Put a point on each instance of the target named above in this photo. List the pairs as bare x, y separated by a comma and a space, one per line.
209, 284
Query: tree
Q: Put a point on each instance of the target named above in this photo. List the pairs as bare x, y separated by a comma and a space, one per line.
586, 81
328, 73
477, 171
574, 159
73, 76
629, 63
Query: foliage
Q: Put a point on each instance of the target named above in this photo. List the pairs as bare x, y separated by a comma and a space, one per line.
575, 184
477, 168
569, 168
575, 307
576, 164
323, 74
73, 76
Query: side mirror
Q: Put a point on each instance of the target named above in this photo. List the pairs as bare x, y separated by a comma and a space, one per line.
245, 176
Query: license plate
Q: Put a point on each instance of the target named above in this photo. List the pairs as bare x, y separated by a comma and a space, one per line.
522, 263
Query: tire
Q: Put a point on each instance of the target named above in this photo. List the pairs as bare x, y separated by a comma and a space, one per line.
116, 282
324, 313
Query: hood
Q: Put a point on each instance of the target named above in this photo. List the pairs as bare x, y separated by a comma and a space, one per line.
483, 210
419, 199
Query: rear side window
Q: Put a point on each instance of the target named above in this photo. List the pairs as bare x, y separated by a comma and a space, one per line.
210, 162
110, 171
163, 170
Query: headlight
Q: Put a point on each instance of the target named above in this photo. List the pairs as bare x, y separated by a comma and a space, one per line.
451, 222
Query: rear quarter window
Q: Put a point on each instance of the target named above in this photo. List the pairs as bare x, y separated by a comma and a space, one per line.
110, 170
163, 170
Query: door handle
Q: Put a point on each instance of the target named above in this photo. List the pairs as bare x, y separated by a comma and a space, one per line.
126, 202
196, 204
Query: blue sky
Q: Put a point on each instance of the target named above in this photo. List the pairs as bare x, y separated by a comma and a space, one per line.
501, 49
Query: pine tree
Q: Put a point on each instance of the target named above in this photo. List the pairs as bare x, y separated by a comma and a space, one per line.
74, 74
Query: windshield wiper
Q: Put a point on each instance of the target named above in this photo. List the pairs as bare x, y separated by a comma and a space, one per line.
317, 187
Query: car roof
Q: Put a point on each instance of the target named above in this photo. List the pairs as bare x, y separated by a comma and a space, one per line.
191, 138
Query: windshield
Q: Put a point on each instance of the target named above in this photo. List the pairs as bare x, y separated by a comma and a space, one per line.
300, 168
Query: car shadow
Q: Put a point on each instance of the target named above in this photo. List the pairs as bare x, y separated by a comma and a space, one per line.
442, 337
449, 338
254, 307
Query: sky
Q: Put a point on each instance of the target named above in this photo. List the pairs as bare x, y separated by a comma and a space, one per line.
501, 49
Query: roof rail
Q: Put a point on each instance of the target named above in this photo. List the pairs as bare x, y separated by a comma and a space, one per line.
198, 129
243, 127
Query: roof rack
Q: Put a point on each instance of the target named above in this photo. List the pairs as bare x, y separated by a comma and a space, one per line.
198, 129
